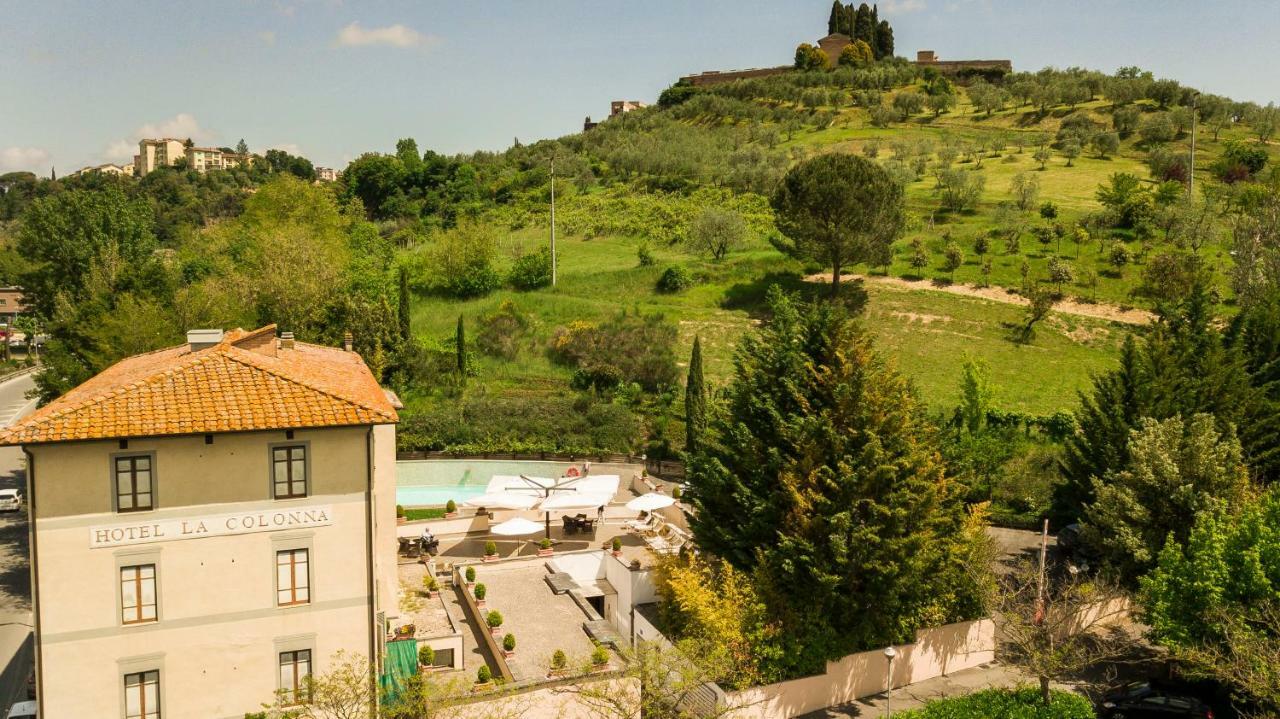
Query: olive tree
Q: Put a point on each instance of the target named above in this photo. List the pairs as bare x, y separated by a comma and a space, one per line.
838, 209
716, 232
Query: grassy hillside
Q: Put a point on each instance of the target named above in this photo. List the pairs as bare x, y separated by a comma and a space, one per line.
639, 191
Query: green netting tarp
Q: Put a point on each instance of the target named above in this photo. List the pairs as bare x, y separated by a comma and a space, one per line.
401, 663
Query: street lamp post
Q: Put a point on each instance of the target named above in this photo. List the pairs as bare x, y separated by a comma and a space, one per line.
889, 654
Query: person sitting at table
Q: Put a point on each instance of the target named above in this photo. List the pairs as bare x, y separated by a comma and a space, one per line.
428, 542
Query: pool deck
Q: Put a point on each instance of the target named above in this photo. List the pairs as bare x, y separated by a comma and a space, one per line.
413, 474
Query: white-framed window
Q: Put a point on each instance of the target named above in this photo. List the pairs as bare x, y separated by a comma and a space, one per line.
138, 594
293, 579
142, 695
295, 667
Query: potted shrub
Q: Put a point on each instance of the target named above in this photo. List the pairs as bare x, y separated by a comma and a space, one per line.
484, 675
426, 657
544, 548
400, 517
600, 658
494, 620
677, 492
558, 662
617, 547
450, 509
490, 551
509, 644
432, 587
479, 593
470, 575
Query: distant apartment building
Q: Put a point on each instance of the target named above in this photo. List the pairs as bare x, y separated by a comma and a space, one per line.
157, 153
210, 524
326, 174
203, 159
107, 169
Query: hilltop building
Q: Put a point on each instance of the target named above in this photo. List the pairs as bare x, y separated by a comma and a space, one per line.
157, 153
928, 58
203, 159
327, 174
832, 45
617, 107
107, 169
207, 526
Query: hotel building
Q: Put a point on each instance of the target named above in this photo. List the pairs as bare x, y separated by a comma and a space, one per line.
209, 524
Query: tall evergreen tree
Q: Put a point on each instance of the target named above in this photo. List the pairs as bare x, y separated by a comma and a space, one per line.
1185, 367
835, 22
695, 400
820, 476
403, 315
864, 28
884, 40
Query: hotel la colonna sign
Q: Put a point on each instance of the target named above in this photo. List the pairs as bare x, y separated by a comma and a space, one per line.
211, 525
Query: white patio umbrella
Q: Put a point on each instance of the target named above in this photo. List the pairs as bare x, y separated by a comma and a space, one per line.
516, 527
502, 500
649, 502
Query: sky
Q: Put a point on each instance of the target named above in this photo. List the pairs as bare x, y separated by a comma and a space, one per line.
81, 82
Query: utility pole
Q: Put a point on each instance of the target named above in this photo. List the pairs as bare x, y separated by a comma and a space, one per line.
553, 221
1191, 182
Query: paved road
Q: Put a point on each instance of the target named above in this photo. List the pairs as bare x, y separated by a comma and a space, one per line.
15, 577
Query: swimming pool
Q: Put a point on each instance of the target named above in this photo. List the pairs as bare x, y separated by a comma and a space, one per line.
427, 482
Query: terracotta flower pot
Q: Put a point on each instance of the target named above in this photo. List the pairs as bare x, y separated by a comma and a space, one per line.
546, 552
489, 558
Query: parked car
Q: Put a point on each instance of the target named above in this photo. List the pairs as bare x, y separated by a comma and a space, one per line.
1142, 700
23, 710
10, 500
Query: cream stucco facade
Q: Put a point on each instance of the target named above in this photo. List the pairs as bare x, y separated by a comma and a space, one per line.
213, 537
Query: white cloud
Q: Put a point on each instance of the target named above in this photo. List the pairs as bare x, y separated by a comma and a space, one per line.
268, 37
34, 159
181, 126
902, 6
392, 35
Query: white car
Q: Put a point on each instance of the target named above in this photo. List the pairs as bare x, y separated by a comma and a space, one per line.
23, 710
10, 500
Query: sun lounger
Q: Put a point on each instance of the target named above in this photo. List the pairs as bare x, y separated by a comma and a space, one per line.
641, 525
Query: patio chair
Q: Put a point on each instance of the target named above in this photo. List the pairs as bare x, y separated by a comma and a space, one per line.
641, 525
587, 525
570, 524
656, 530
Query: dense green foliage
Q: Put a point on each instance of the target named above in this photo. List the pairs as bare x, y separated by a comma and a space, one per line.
1005, 704
820, 477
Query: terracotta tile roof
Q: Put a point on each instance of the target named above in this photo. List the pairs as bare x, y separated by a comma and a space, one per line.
245, 382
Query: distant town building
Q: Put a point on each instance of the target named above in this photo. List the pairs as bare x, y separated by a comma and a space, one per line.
587, 124
928, 58
203, 159
107, 169
617, 107
12, 304
210, 524
157, 153
327, 174
833, 44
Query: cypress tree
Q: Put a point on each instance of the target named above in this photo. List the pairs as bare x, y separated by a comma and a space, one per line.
460, 339
834, 22
406, 332
884, 40
863, 27
695, 400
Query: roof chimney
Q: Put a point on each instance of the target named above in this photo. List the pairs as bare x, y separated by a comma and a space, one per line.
286, 340
346, 341
203, 339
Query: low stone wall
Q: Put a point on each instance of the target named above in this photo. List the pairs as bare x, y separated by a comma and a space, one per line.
715, 77
936, 652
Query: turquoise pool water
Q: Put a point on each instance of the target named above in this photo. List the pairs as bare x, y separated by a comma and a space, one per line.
433, 482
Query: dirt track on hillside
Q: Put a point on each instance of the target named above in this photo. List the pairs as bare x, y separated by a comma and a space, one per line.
1099, 311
